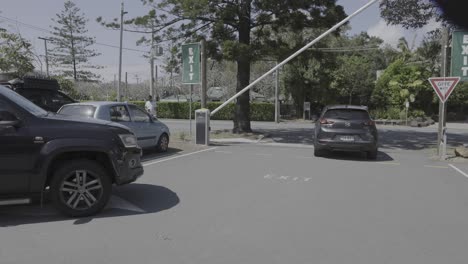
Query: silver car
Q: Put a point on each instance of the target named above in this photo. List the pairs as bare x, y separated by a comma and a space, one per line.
150, 132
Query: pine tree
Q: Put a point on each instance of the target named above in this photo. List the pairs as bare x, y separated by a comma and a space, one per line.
72, 49
15, 54
240, 30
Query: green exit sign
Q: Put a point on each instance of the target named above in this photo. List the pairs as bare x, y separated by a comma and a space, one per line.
460, 55
191, 63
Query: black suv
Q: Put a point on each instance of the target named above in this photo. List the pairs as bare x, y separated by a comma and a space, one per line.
346, 128
75, 161
42, 92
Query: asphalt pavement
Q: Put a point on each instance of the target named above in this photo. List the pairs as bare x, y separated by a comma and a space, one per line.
267, 202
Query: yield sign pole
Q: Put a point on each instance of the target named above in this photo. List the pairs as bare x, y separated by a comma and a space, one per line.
443, 87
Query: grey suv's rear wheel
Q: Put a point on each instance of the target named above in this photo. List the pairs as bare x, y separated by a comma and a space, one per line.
163, 143
318, 152
80, 188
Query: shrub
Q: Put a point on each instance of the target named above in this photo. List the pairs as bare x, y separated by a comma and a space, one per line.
180, 110
416, 113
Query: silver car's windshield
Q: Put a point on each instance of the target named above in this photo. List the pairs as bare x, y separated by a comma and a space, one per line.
23, 102
78, 110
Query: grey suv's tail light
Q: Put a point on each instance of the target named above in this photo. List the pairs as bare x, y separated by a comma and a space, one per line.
369, 123
324, 121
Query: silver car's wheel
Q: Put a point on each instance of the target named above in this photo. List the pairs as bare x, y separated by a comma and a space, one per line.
80, 188
163, 143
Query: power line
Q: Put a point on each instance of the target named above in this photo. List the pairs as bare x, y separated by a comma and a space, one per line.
347, 49
47, 31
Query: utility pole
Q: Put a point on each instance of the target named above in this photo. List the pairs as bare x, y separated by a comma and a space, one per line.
152, 64
203, 73
277, 108
46, 55
122, 13
156, 81
126, 85
137, 79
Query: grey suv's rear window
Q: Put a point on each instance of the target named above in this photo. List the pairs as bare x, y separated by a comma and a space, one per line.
347, 114
78, 110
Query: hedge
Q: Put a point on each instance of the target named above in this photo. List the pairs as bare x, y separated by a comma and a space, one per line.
180, 110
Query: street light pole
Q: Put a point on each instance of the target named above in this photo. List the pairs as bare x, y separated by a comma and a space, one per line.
203, 73
152, 64
277, 95
122, 13
46, 55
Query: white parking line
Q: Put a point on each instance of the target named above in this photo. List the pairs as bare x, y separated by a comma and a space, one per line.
388, 163
176, 157
224, 152
263, 154
460, 171
436, 166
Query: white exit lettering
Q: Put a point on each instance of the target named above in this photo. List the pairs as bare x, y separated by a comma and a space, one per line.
465, 71
465, 39
190, 51
465, 50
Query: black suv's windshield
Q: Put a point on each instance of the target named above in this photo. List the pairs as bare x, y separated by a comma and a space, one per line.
347, 114
23, 102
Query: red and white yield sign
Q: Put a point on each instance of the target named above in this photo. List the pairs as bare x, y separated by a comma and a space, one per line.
444, 86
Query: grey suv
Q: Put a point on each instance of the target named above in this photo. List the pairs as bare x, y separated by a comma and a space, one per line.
346, 128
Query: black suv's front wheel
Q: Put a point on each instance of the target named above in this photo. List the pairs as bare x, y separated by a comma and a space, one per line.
80, 188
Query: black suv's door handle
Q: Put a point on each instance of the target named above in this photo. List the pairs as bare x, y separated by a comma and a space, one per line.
38, 140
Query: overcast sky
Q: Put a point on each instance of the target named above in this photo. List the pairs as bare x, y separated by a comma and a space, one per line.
32, 18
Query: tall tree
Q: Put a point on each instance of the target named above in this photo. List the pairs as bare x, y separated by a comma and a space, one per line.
72, 47
234, 29
417, 13
429, 51
307, 77
354, 78
15, 54
408, 13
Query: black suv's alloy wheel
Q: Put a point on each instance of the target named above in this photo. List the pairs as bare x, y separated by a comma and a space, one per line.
80, 188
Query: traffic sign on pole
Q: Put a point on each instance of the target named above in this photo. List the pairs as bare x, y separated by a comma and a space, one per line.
459, 60
444, 86
191, 63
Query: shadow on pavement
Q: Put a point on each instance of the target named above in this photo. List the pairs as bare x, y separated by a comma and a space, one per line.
132, 199
416, 140
357, 156
290, 136
152, 155
406, 139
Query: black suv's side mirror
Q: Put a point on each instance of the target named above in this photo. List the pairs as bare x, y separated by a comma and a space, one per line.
8, 119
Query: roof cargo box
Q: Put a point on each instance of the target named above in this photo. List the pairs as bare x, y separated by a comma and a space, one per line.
36, 83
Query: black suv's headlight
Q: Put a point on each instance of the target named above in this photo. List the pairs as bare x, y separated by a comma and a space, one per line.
129, 140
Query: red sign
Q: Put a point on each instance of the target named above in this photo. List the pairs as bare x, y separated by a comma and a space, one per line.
444, 86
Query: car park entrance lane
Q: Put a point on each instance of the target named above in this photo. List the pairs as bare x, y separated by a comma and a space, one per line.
230, 205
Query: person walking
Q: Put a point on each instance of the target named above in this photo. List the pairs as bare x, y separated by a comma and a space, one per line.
150, 106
